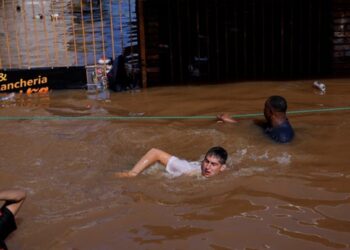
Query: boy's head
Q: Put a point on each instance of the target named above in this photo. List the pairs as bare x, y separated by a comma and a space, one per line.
214, 161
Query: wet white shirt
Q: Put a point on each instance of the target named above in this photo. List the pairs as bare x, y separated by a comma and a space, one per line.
177, 167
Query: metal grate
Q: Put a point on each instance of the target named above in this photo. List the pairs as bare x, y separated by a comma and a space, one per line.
49, 33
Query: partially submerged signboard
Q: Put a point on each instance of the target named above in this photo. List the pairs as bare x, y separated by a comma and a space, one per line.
40, 80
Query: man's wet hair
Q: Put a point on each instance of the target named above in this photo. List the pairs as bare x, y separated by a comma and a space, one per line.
277, 103
219, 153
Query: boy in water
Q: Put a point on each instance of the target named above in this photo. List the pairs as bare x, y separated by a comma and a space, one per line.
277, 125
13, 202
214, 162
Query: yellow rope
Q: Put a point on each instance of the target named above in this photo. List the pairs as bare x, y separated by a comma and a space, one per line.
55, 39
102, 32
6, 33
93, 31
0, 63
29, 61
45, 32
64, 35
16, 38
121, 25
35, 34
83, 29
73, 30
112, 28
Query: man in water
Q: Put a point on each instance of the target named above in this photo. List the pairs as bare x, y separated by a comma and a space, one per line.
214, 162
13, 202
276, 126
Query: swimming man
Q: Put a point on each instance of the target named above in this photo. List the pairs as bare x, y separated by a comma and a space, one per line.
277, 125
214, 162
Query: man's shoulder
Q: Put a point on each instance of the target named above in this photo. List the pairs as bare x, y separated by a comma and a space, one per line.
283, 133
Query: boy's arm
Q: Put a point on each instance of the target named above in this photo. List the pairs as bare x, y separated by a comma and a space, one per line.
152, 156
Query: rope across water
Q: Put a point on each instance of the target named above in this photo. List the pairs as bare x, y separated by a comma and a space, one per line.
141, 117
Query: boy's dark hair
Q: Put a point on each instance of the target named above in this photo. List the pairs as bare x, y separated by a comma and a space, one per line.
219, 153
278, 103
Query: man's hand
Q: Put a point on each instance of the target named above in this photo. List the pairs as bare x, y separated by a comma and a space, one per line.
225, 118
126, 174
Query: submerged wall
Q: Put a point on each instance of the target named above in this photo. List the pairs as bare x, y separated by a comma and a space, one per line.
341, 37
228, 40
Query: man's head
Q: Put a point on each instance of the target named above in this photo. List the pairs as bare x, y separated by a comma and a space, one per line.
274, 104
214, 161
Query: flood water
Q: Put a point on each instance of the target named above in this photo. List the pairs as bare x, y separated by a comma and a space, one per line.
273, 196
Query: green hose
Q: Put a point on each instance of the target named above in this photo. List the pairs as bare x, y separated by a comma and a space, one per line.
196, 117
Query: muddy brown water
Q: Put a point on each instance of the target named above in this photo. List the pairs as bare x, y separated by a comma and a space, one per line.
293, 196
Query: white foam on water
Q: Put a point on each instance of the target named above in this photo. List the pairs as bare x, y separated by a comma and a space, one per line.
249, 171
284, 159
264, 156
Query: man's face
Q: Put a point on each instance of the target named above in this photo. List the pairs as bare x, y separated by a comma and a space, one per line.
211, 166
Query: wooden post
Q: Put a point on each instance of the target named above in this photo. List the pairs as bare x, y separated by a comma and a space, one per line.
142, 42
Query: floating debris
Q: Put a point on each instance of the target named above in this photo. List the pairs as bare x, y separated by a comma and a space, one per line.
7, 97
320, 86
